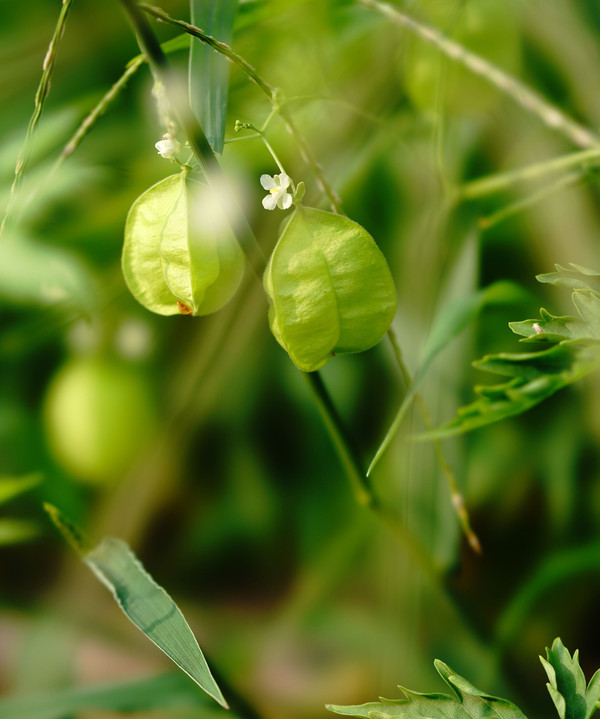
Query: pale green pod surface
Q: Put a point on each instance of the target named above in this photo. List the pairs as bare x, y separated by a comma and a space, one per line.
179, 254
330, 287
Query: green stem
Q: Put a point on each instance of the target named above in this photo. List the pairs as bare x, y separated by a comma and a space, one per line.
514, 208
40, 96
505, 180
344, 445
272, 94
523, 95
176, 94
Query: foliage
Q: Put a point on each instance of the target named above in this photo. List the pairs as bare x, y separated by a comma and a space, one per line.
567, 689
573, 353
437, 153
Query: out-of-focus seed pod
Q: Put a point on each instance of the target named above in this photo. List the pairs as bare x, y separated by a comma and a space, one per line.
330, 287
180, 255
98, 415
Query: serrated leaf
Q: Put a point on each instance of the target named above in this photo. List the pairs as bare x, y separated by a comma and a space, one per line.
209, 70
567, 687
571, 278
168, 691
467, 702
452, 319
179, 254
549, 328
330, 288
574, 352
151, 609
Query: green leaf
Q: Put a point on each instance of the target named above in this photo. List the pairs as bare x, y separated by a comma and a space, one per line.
168, 691
468, 702
535, 377
142, 600
151, 609
180, 255
567, 687
32, 273
574, 352
209, 70
15, 531
330, 288
13, 486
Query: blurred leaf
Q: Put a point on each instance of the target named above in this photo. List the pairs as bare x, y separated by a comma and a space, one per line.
558, 569
15, 531
571, 697
34, 273
151, 609
181, 42
13, 486
571, 278
169, 691
209, 70
468, 702
535, 376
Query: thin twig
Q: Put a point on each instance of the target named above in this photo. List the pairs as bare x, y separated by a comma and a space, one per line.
40, 97
528, 99
270, 91
504, 180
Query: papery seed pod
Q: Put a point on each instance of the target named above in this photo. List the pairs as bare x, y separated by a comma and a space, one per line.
330, 287
179, 255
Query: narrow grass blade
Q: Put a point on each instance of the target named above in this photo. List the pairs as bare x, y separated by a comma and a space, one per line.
169, 691
209, 71
450, 322
13, 486
15, 531
151, 609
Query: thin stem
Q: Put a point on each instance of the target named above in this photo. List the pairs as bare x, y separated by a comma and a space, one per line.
40, 96
505, 180
176, 94
97, 112
514, 208
345, 446
523, 95
272, 94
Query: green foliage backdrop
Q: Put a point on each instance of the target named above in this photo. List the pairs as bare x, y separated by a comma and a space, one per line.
199, 443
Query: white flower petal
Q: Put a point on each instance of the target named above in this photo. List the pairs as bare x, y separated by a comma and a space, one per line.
267, 182
285, 201
284, 181
269, 202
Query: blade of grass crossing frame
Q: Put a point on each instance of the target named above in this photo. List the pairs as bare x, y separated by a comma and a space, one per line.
151, 609
142, 600
209, 70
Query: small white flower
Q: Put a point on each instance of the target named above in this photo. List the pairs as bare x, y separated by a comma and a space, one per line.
538, 328
277, 186
167, 147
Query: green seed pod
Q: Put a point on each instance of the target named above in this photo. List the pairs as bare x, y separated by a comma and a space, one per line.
180, 256
330, 287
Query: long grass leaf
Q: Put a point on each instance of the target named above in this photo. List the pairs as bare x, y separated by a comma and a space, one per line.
151, 609
13, 486
209, 71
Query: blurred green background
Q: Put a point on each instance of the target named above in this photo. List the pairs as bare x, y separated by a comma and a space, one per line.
198, 442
